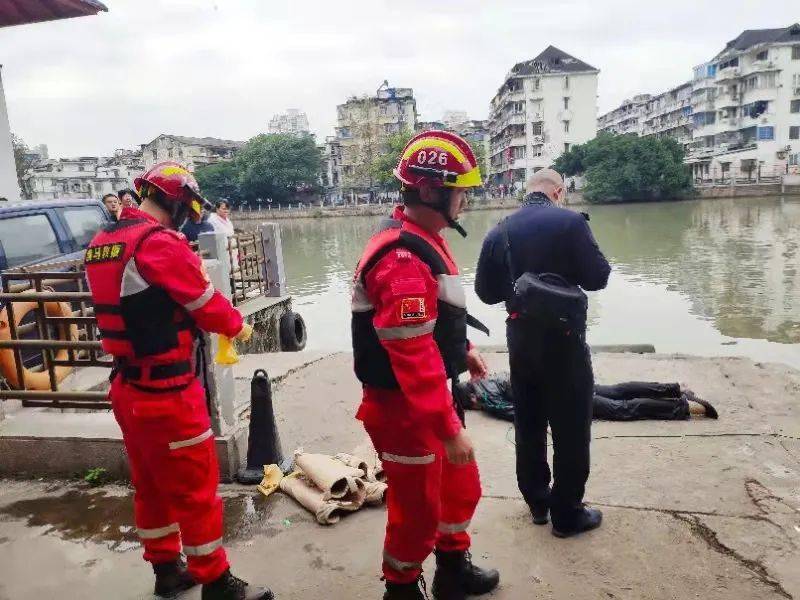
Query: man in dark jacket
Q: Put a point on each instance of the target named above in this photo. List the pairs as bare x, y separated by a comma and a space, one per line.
551, 369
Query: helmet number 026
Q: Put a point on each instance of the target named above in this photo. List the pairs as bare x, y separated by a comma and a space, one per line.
432, 157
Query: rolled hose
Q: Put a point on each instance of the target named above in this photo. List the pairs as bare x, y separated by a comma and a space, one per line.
35, 380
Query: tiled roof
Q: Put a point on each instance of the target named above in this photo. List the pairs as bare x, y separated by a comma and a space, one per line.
752, 37
552, 60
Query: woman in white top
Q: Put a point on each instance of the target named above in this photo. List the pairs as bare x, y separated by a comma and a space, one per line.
220, 221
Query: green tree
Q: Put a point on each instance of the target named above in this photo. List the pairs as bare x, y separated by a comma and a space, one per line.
384, 163
620, 168
23, 161
220, 180
277, 166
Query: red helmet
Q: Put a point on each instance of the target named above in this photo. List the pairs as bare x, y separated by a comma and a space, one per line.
176, 184
438, 158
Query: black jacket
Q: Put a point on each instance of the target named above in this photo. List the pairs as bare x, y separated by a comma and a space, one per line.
544, 239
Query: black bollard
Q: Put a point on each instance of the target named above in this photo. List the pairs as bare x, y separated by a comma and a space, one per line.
263, 444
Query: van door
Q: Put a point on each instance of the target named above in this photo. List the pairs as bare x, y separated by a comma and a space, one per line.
26, 238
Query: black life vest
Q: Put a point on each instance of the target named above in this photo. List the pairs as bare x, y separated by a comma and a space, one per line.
371, 360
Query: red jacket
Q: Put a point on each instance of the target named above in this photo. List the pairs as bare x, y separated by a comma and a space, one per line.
150, 293
404, 293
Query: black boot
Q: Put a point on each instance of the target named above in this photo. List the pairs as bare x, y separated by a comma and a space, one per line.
540, 512
406, 591
228, 587
172, 578
456, 577
586, 520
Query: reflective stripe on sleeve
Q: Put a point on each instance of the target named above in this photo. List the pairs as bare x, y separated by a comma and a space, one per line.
202, 300
399, 565
408, 460
204, 549
405, 332
191, 441
453, 527
157, 532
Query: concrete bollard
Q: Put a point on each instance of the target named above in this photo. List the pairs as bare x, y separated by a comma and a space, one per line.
263, 442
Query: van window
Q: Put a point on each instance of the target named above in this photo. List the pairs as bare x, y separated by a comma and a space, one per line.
27, 239
83, 223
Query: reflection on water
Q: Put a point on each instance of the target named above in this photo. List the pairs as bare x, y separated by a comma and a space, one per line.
716, 277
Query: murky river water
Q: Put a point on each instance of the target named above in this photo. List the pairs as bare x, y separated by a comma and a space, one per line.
709, 277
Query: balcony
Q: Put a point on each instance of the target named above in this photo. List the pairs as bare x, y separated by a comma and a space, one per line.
728, 74
762, 66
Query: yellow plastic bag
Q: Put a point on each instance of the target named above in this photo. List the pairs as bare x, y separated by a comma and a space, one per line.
226, 355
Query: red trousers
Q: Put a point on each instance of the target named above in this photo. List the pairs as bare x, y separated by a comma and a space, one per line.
430, 500
174, 472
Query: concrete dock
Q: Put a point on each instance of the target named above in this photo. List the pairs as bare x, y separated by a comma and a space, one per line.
695, 509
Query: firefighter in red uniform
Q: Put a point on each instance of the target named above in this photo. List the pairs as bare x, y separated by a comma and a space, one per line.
409, 339
151, 296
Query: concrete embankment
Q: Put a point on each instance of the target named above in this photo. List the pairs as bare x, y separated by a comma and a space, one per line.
692, 509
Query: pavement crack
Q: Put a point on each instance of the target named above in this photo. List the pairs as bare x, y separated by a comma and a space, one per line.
709, 536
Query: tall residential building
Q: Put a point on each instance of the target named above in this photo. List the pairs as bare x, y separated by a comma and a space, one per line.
454, 118
746, 107
191, 152
544, 106
292, 122
628, 117
363, 126
670, 114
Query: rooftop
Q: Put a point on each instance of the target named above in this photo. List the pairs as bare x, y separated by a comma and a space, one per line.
201, 141
552, 60
21, 12
753, 37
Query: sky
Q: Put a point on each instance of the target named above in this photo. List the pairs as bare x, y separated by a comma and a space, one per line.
222, 68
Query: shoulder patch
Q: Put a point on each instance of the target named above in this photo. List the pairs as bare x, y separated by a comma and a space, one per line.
412, 309
104, 253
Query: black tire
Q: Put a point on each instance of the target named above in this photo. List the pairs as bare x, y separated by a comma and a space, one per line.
292, 330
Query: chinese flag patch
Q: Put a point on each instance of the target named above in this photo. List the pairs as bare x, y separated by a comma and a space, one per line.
412, 309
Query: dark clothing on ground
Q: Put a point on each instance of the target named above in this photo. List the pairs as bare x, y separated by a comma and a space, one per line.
630, 401
193, 230
551, 369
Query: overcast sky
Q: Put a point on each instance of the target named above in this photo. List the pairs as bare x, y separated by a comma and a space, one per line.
223, 67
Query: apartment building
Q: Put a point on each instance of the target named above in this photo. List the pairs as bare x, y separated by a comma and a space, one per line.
544, 106
746, 107
191, 152
364, 125
82, 177
669, 115
292, 122
628, 117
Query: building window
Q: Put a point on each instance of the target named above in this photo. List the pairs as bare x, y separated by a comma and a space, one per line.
795, 52
566, 102
794, 132
537, 128
566, 82
566, 126
766, 133
762, 55
794, 106
566, 147
536, 83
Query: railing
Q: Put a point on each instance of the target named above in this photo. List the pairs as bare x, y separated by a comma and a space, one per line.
248, 266
67, 340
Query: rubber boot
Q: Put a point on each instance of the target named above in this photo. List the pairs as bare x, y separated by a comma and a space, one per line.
406, 591
228, 587
456, 577
172, 578
540, 513
587, 519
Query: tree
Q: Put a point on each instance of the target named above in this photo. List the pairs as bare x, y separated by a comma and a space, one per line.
383, 164
622, 168
23, 161
277, 166
220, 180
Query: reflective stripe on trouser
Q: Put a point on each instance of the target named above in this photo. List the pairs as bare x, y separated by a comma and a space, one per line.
430, 501
175, 487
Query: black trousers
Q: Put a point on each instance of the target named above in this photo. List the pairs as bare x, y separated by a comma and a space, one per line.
552, 382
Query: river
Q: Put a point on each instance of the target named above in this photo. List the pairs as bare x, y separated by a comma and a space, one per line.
707, 277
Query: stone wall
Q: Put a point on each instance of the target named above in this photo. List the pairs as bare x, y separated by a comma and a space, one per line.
264, 315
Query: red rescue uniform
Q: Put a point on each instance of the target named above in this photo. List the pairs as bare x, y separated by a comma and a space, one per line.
409, 337
151, 296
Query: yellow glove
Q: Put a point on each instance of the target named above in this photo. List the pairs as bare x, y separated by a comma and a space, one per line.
226, 355
246, 333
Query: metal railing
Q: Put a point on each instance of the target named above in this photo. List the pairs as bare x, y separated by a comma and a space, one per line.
248, 266
69, 339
